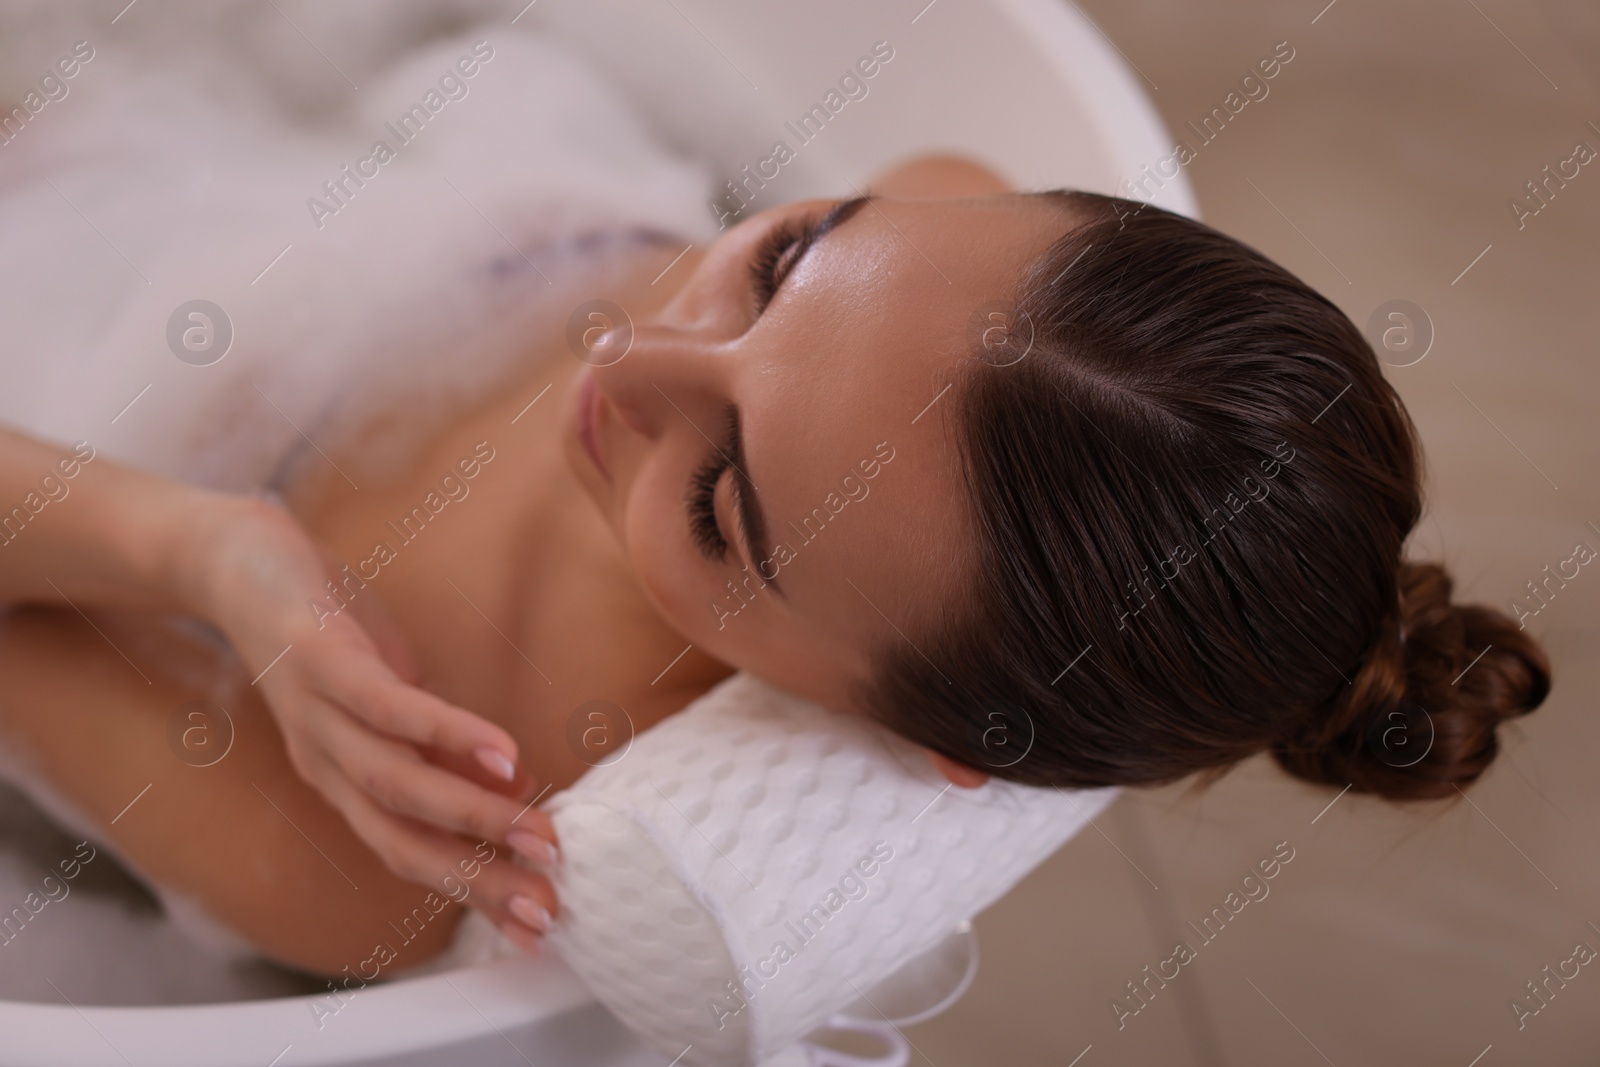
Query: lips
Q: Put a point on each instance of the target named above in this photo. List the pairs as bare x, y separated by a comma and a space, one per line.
588, 417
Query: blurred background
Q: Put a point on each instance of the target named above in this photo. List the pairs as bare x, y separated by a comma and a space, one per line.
1379, 168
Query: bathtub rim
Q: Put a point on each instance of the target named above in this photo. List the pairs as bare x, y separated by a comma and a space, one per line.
407, 1015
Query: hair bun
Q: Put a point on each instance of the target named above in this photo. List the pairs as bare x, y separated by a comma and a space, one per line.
1418, 720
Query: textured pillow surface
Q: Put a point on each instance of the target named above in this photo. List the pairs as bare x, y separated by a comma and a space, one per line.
748, 867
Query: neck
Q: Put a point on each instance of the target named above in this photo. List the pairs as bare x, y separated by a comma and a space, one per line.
570, 589
547, 613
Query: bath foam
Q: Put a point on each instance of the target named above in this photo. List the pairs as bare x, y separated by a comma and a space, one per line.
516, 203
756, 862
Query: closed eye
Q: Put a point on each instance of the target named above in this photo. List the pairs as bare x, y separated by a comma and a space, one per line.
784, 245
776, 255
703, 526
702, 495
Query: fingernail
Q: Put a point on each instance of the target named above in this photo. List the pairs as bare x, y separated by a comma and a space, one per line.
521, 937
533, 847
530, 913
495, 762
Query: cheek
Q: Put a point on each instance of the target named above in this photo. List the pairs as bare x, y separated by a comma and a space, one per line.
693, 597
669, 568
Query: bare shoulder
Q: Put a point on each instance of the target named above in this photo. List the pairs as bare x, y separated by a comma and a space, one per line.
938, 177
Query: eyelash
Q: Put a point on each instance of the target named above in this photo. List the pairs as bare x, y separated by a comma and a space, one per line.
702, 508
703, 526
787, 234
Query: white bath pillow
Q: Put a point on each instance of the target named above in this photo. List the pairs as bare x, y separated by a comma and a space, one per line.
750, 866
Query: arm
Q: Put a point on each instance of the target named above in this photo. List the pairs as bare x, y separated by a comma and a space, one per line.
88, 532
938, 177
77, 527
244, 838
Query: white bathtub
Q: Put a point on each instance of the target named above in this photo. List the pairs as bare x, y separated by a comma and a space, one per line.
1029, 85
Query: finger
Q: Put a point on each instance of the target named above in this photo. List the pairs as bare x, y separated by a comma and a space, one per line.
390, 640
521, 788
518, 935
506, 890
373, 694
397, 778
370, 614
481, 876
520, 903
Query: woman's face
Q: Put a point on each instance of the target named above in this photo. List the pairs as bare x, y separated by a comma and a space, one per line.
775, 449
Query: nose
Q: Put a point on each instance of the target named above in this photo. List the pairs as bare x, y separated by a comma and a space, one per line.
667, 374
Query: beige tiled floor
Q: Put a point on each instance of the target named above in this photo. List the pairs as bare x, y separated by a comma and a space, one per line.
1388, 149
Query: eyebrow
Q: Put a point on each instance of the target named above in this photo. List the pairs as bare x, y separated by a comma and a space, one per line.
836, 215
752, 520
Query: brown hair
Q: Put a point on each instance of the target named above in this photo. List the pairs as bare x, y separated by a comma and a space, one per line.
1190, 496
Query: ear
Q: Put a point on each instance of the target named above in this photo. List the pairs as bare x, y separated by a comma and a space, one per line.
957, 774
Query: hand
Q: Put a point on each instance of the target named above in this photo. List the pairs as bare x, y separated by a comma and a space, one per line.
417, 779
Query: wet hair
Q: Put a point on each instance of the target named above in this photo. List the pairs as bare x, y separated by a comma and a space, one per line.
1190, 485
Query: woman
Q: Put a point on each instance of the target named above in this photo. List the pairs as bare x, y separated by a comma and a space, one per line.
1064, 489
